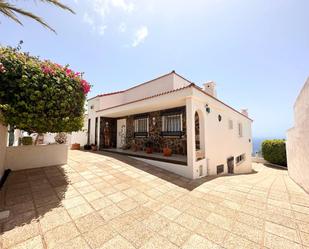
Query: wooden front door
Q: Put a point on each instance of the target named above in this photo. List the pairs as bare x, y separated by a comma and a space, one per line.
230, 165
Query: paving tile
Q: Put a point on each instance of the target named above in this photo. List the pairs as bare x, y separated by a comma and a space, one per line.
281, 231
110, 212
175, 233
101, 203
169, 212
198, 242
93, 195
99, 236
89, 222
50, 221
33, 243
118, 242
220, 221
155, 222
305, 238
235, 242
80, 211
212, 232
75, 243
73, 202
60, 235
13, 235
117, 197
188, 221
250, 220
127, 204
137, 234
158, 241
272, 241
251, 233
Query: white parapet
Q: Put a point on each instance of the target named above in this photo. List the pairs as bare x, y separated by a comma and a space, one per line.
31, 156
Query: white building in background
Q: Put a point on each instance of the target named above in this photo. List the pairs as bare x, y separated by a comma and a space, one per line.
206, 136
298, 140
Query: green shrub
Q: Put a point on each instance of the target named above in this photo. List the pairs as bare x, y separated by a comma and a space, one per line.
26, 140
274, 151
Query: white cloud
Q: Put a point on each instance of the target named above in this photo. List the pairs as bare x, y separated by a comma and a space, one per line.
140, 36
124, 5
101, 29
122, 27
104, 7
87, 19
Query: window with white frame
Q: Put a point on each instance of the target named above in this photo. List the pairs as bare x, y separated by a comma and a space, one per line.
141, 125
240, 158
240, 130
172, 123
231, 124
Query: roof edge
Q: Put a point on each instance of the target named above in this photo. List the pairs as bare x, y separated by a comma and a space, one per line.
144, 83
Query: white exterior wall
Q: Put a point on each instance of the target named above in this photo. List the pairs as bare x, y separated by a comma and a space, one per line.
3, 141
31, 156
217, 141
298, 140
220, 142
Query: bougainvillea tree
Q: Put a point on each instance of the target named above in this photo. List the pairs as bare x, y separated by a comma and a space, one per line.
40, 96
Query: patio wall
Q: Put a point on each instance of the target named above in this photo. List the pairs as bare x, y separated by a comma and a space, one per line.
298, 140
3, 141
30, 156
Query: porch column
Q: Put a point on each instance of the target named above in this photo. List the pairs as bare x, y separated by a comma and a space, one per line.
98, 132
190, 130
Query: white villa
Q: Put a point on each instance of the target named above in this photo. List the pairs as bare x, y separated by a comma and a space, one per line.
206, 136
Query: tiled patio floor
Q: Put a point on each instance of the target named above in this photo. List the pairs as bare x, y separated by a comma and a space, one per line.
98, 201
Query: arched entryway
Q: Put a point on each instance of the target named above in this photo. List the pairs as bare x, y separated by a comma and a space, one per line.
199, 135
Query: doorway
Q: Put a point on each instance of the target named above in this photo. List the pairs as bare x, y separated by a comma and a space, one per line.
230, 165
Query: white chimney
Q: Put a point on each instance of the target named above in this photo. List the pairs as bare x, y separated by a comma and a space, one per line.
210, 88
245, 112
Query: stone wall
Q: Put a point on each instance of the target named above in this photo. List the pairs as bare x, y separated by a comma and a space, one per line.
176, 143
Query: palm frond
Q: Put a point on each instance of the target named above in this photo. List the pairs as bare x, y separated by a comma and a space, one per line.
10, 11
59, 4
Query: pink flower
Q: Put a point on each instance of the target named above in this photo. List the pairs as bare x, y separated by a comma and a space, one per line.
68, 71
77, 74
2, 68
86, 86
47, 70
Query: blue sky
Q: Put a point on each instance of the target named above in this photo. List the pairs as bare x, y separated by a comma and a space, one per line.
257, 51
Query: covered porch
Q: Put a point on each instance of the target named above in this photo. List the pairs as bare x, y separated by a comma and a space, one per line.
175, 120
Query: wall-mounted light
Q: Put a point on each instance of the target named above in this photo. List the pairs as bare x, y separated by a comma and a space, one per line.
106, 124
207, 108
154, 121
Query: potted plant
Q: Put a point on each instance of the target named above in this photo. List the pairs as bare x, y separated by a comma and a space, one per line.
87, 147
149, 146
27, 140
167, 151
75, 146
94, 147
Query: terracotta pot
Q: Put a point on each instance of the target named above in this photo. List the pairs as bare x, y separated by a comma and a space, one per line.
134, 148
167, 151
149, 150
75, 146
94, 147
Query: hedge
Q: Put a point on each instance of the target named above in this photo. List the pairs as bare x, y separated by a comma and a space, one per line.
274, 151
